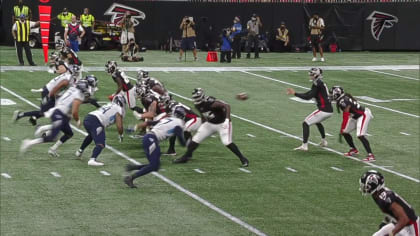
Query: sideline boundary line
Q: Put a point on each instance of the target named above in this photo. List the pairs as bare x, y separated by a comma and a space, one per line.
395, 75
298, 86
163, 178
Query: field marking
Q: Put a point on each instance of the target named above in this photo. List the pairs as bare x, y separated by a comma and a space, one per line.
291, 169
404, 133
336, 168
104, 173
6, 175
6, 139
400, 76
55, 174
244, 170
379, 166
328, 134
298, 138
251, 135
298, 86
199, 171
163, 178
225, 69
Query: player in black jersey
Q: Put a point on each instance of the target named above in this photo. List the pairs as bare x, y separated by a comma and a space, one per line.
215, 115
319, 91
152, 84
356, 117
400, 217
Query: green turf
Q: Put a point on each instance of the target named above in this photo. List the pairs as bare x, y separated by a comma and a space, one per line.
316, 200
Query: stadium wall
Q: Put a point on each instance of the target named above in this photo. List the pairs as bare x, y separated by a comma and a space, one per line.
347, 23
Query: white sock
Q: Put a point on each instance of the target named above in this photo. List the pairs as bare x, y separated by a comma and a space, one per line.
56, 145
305, 145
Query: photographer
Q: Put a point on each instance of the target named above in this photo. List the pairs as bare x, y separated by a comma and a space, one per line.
236, 37
131, 54
188, 36
253, 27
316, 25
127, 31
282, 38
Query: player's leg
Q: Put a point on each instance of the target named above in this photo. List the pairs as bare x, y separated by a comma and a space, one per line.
28, 54
225, 133
351, 125
19, 51
386, 230
99, 137
171, 149
362, 127
309, 120
68, 133
87, 123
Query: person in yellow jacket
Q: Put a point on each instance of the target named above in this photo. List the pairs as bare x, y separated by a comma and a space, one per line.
282, 42
88, 22
20, 9
65, 19
188, 37
21, 31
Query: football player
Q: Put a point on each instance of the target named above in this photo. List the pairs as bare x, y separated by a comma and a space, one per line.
356, 117
49, 92
154, 108
151, 83
319, 91
215, 115
124, 85
163, 129
400, 218
192, 123
65, 107
96, 122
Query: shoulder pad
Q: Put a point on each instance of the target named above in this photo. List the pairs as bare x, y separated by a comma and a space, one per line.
210, 99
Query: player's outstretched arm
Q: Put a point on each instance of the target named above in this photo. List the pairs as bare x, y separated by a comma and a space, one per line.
75, 111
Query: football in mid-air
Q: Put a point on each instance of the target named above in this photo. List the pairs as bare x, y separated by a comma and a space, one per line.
242, 96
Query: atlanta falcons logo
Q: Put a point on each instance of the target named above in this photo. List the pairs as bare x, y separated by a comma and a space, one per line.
380, 20
117, 12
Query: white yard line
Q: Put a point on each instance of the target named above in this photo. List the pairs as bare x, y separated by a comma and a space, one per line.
336, 168
379, 166
327, 134
404, 133
199, 171
400, 76
6, 175
298, 138
55, 174
245, 170
291, 169
251, 135
104, 173
6, 139
163, 178
302, 87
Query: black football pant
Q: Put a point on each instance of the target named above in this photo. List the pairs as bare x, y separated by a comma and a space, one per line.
87, 38
19, 47
252, 40
236, 46
225, 56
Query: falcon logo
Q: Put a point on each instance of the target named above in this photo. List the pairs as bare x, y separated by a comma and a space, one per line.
380, 20
117, 12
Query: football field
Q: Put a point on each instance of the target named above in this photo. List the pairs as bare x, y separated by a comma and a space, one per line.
282, 192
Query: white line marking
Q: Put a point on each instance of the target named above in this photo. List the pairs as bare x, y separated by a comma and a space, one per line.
55, 174
163, 178
405, 133
291, 169
244, 170
367, 134
395, 70
379, 166
6, 175
165, 71
405, 99
327, 134
250, 135
105, 173
298, 86
213, 136
199, 171
298, 138
294, 71
336, 168
6, 139
401, 76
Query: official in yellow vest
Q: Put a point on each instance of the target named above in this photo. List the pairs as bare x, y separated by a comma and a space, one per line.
20, 9
282, 43
65, 19
21, 31
88, 22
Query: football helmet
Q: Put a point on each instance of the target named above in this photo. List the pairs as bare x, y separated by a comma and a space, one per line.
337, 92
198, 95
92, 81
84, 87
315, 73
371, 181
142, 74
60, 44
141, 91
111, 66
119, 100
179, 112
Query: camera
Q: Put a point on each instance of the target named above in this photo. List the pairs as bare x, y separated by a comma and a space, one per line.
188, 19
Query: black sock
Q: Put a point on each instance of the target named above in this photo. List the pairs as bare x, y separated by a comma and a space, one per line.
65, 137
193, 145
187, 135
172, 144
349, 140
305, 132
86, 142
321, 129
365, 144
37, 114
235, 150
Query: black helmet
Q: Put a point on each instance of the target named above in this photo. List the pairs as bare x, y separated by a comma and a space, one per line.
371, 181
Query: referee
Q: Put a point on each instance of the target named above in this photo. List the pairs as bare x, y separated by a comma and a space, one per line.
21, 31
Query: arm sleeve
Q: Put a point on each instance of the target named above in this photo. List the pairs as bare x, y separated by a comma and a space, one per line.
81, 28
346, 116
308, 95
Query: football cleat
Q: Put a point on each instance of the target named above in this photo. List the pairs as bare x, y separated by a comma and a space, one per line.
53, 153
79, 153
32, 120
370, 158
352, 152
93, 162
323, 143
245, 162
16, 115
302, 148
183, 159
322, 59
170, 153
314, 59
128, 180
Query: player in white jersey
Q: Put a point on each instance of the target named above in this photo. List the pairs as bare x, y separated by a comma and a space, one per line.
163, 129
49, 93
67, 106
96, 122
